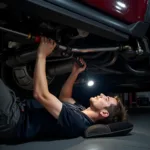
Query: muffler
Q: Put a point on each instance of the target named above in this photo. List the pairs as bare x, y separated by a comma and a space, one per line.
60, 68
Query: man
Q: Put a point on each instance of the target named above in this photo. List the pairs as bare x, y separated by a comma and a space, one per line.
61, 117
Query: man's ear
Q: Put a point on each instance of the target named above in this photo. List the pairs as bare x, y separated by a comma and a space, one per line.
104, 113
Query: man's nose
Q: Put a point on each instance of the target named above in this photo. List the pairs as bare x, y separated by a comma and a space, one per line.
102, 95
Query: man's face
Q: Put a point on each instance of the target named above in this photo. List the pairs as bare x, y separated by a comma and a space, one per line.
101, 101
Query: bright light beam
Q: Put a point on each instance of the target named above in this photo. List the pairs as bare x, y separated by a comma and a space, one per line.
90, 83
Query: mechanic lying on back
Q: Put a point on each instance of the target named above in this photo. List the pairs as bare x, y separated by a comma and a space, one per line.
62, 116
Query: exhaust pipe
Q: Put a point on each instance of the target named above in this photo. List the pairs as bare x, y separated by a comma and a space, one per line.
89, 50
30, 56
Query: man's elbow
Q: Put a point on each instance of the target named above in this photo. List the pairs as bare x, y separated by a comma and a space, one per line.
35, 95
39, 93
36, 92
39, 96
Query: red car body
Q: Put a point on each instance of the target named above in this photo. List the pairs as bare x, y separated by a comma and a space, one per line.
127, 10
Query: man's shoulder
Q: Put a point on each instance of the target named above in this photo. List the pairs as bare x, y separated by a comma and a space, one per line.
74, 114
73, 120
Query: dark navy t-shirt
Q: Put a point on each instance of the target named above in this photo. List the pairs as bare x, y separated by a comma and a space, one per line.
38, 122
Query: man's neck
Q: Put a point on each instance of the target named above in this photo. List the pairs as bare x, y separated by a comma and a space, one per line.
91, 114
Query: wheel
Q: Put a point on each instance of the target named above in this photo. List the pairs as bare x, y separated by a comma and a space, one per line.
20, 79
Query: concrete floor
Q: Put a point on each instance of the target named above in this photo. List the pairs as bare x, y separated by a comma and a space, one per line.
139, 139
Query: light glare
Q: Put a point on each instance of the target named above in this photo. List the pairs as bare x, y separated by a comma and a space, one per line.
119, 8
121, 4
90, 83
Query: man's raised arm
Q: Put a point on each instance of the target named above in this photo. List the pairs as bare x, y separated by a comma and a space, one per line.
66, 91
41, 92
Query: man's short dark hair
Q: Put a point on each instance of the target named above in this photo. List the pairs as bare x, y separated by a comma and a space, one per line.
117, 113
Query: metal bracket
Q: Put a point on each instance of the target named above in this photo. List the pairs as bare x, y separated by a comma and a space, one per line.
139, 51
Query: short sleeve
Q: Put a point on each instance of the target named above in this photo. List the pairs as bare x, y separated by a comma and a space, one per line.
72, 121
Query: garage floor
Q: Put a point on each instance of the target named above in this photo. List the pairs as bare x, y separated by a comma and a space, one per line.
138, 140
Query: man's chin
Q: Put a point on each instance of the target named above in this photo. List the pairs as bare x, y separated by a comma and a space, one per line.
92, 99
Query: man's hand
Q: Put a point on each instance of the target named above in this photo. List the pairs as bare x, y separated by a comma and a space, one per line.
77, 69
46, 47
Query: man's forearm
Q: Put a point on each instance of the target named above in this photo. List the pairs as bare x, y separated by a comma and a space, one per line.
66, 91
40, 81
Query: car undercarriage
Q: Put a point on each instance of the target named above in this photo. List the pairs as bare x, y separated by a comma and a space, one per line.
126, 64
